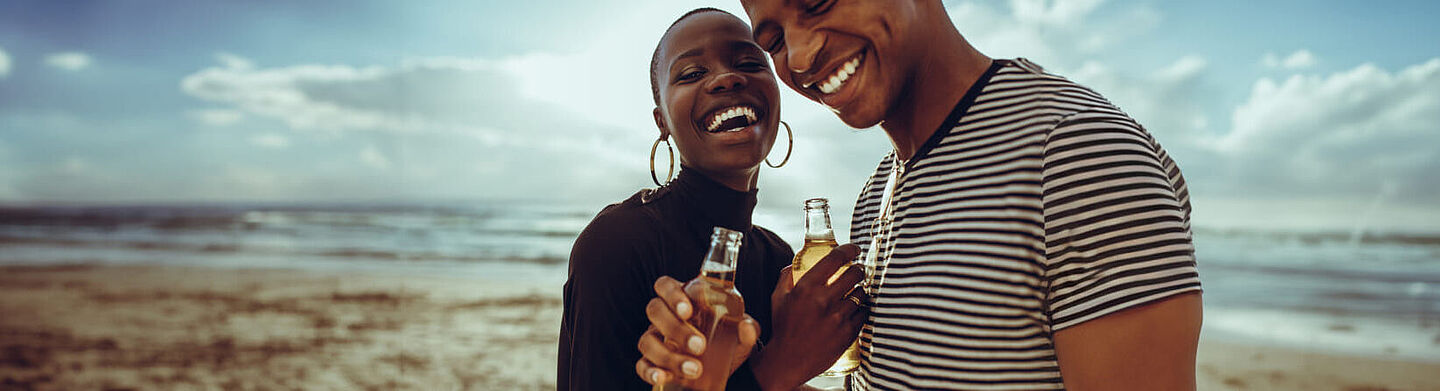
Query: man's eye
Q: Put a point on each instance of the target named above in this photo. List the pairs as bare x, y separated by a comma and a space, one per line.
775, 44
818, 7
751, 66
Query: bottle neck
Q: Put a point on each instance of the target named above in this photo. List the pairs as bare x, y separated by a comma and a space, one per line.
817, 220
724, 254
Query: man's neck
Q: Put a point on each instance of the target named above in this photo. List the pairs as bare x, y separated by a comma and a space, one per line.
941, 79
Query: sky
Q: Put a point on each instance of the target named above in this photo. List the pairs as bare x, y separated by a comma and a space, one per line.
1312, 115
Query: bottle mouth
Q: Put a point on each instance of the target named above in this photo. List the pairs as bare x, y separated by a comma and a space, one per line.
816, 203
726, 234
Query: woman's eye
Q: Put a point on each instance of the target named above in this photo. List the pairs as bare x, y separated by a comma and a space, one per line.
751, 66
690, 76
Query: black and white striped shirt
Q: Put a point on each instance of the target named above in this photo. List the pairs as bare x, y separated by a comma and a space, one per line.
1038, 206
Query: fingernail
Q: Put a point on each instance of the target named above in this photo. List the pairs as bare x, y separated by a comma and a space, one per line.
691, 368
682, 309
697, 344
655, 376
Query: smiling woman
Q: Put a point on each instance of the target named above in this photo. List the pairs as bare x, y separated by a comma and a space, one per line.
717, 100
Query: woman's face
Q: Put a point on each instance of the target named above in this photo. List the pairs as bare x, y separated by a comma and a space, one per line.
719, 102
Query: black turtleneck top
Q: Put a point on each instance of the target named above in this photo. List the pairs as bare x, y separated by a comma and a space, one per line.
629, 245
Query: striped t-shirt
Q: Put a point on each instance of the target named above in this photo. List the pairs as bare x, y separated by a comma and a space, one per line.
1037, 206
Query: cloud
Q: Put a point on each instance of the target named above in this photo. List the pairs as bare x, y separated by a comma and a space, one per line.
233, 61
4, 64
1349, 133
431, 118
1057, 33
270, 140
217, 117
1301, 59
372, 157
70, 61
1167, 101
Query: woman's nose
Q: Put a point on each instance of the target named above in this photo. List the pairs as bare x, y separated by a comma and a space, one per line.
728, 81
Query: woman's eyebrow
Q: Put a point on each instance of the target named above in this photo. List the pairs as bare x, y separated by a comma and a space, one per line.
691, 53
747, 45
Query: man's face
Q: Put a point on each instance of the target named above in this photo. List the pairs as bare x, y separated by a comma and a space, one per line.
853, 56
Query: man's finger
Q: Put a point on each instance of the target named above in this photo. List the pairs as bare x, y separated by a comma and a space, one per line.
749, 332
819, 275
673, 329
848, 279
673, 292
783, 286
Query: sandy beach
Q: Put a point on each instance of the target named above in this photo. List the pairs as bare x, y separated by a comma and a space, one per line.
162, 328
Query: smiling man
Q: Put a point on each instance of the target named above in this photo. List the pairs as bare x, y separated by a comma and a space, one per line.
1027, 233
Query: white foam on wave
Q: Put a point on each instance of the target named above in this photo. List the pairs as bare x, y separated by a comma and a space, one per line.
1413, 338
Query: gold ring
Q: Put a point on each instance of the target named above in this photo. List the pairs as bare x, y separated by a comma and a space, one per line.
855, 300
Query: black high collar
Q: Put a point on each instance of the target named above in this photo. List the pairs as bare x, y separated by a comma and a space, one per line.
718, 203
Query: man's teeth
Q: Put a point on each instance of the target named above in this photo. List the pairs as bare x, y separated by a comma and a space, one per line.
726, 115
841, 75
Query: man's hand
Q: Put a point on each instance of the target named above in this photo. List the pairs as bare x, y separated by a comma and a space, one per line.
661, 346
814, 321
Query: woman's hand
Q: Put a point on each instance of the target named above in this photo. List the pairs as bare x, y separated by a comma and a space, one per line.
661, 346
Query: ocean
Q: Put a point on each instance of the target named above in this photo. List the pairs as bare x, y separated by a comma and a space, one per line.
1360, 293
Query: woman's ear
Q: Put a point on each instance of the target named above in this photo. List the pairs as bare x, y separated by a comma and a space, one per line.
660, 123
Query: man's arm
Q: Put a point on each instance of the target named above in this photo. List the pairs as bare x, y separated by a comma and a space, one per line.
1123, 288
1148, 347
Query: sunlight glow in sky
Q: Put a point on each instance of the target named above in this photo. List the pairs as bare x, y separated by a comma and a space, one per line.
1296, 114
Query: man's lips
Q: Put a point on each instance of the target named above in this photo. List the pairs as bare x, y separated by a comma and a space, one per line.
836, 78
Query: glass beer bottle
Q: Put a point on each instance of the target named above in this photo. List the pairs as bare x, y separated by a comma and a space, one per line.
719, 309
819, 239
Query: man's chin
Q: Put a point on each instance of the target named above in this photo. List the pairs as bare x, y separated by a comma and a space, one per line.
860, 118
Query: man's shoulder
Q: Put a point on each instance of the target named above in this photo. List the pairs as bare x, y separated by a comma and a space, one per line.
1061, 96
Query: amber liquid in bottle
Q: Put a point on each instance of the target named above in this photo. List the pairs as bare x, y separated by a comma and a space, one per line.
719, 309
819, 240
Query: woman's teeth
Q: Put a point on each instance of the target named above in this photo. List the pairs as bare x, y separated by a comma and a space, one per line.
733, 119
841, 75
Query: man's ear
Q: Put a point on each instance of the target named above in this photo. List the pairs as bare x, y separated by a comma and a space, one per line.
660, 123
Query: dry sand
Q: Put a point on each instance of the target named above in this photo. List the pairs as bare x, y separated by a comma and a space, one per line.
160, 328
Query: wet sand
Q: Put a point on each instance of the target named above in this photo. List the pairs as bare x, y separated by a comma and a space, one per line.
161, 328
153, 328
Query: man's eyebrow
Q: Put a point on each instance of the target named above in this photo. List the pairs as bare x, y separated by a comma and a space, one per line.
764, 26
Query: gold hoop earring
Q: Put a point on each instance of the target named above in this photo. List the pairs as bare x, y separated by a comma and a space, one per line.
788, 149
670, 170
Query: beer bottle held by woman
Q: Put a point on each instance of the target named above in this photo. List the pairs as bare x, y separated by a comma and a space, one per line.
719, 309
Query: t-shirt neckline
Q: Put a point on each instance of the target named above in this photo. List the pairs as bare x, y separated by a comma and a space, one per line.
953, 119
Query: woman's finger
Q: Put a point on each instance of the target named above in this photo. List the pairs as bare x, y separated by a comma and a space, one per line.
663, 357
673, 293
672, 328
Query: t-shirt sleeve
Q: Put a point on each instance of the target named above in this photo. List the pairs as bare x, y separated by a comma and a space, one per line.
604, 302
1117, 228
